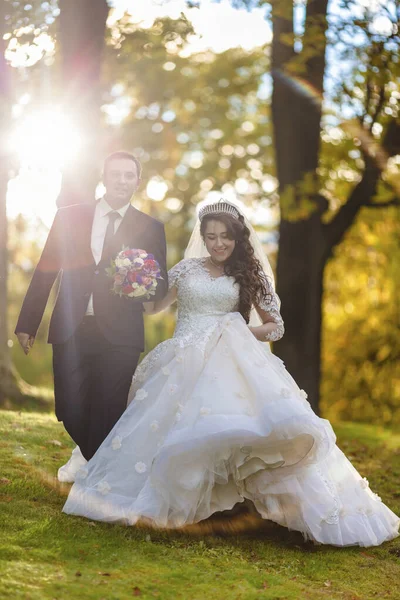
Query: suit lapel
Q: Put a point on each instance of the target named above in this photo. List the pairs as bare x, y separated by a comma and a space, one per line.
87, 226
82, 236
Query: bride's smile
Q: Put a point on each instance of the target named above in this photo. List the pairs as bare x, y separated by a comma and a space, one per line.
218, 242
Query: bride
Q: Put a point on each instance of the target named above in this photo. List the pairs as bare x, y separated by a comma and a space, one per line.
214, 418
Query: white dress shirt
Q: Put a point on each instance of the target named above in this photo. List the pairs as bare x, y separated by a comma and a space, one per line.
99, 228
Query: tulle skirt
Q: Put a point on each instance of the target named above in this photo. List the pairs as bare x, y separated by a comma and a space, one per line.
219, 420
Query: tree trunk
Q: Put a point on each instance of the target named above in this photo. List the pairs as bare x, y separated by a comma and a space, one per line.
296, 117
81, 35
300, 278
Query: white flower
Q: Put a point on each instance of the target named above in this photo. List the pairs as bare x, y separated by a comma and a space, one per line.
165, 371
103, 487
116, 443
140, 467
364, 483
125, 262
204, 410
82, 473
172, 389
140, 395
154, 426
285, 393
303, 394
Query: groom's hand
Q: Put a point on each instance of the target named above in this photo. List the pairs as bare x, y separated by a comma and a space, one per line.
26, 341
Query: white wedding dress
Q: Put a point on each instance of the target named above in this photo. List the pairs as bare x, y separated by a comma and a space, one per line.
215, 418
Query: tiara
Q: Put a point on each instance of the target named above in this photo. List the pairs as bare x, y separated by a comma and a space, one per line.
217, 208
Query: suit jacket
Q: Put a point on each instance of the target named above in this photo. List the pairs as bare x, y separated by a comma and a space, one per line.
68, 251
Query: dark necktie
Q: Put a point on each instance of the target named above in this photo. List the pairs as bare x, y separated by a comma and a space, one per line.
112, 216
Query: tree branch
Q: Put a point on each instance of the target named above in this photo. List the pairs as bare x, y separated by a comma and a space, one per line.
394, 202
363, 192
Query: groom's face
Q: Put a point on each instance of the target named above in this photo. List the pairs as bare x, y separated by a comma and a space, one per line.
121, 180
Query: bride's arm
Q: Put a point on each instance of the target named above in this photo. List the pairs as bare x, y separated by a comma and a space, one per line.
272, 328
152, 308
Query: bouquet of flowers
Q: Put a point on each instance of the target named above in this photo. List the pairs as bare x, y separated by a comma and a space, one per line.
135, 273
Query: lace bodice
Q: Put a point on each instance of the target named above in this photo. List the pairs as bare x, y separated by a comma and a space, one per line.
203, 299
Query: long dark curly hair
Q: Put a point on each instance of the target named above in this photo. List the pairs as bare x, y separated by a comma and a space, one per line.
242, 264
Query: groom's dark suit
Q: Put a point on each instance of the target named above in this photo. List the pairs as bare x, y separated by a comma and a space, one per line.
94, 357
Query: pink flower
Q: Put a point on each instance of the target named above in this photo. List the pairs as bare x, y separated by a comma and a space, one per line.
126, 289
147, 281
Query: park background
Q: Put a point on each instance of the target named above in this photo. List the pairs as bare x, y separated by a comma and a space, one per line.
289, 108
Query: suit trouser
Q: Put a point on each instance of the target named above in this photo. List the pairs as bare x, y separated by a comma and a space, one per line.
92, 378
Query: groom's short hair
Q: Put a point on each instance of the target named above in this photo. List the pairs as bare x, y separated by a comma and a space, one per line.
123, 154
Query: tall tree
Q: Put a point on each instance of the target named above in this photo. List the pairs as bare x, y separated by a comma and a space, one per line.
308, 232
82, 25
307, 243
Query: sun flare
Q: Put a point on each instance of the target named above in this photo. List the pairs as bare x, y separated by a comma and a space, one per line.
46, 139
43, 143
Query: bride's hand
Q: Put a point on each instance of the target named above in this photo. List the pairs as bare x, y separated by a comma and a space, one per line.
265, 332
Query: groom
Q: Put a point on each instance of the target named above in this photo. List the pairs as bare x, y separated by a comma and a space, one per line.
97, 337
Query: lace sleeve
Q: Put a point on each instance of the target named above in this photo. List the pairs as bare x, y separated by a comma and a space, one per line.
175, 273
271, 304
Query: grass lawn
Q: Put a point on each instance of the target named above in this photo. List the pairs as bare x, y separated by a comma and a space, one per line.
45, 554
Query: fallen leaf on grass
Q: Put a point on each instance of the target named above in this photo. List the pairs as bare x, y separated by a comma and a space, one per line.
367, 555
105, 574
55, 443
4, 481
137, 591
327, 583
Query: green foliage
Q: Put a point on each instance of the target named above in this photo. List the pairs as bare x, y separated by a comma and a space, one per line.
361, 339
198, 123
46, 554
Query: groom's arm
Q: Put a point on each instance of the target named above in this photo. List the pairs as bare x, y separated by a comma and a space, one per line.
42, 281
